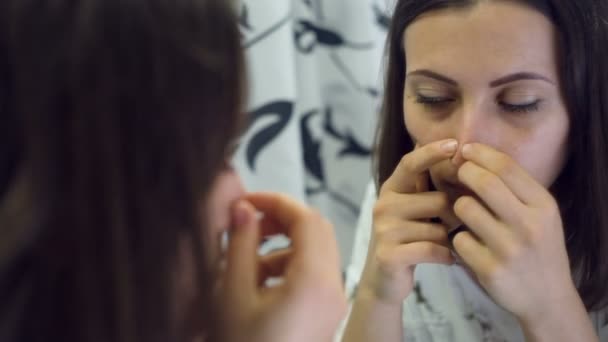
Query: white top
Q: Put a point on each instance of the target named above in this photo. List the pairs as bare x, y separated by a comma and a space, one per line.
446, 304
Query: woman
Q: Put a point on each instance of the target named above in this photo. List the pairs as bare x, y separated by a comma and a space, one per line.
117, 118
494, 120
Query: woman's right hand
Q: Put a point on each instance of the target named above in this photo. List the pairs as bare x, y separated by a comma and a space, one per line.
309, 303
403, 235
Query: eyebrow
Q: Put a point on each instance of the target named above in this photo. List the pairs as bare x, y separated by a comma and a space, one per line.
518, 77
433, 75
496, 83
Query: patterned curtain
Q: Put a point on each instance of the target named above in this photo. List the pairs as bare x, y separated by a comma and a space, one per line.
315, 83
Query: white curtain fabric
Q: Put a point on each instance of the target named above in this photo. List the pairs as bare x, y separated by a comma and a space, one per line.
315, 83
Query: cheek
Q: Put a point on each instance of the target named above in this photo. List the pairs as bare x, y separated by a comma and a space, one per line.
226, 189
423, 130
544, 157
216, 212
544, 151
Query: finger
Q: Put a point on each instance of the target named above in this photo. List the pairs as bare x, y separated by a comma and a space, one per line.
481, 222
492, 190
406, 174
278, 207
449, 219
286, 213
273, 264
241, 255
312, 236
424, 205
402, 232
422, 182
473, 253
415, 253
270, 227
452, 233
526, 188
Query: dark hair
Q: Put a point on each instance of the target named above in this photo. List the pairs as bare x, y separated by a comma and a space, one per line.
116, 116
582, 188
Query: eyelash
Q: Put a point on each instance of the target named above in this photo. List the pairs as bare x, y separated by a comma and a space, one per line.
434, 102
525, 108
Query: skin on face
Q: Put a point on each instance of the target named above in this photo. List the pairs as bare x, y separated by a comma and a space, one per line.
226, 190
486, 74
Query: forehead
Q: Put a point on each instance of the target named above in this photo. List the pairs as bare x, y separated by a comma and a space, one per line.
491, 38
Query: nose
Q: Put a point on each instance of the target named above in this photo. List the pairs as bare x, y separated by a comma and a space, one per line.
472, 125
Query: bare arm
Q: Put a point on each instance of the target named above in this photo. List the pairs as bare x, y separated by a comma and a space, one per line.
372, 320
556, 326
402, 236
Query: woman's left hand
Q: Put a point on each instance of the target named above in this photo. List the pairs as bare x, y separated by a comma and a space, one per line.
516, 244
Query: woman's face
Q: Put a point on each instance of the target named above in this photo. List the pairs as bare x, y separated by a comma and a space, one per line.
216, 217
486, 74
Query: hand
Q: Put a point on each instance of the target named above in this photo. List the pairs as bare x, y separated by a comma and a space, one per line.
309, 303
402, 234
516, 245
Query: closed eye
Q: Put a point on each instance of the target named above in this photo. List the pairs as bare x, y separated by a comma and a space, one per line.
433, 101
520, 108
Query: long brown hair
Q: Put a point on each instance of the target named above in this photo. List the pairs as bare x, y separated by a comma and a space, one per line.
116, 116
582, 188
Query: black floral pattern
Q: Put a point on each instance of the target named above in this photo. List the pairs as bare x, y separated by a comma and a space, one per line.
320, 126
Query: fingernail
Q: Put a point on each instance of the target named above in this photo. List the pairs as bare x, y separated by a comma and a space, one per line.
467, 150
449, 146
241, 214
